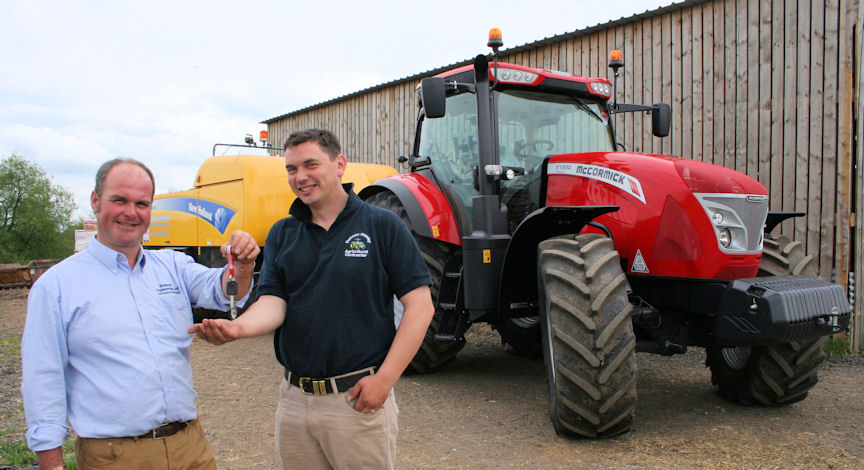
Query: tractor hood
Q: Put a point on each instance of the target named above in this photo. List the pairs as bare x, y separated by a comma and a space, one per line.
676, 217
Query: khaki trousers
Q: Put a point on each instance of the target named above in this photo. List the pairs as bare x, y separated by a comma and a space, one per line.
325, 432
188, 449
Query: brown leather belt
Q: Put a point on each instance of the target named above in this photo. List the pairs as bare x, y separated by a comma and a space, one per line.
314, 386
164, 431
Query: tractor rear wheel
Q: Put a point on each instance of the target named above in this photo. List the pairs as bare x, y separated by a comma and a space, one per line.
587, 335
433, 353
777, 374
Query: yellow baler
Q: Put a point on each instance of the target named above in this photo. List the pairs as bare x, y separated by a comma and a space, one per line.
237, 192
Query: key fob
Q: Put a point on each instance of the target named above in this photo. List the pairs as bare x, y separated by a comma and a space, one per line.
231, 288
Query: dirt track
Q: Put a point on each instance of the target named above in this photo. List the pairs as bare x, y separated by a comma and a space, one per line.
488, 410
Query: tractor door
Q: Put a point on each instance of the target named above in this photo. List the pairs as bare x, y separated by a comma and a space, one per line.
450, 143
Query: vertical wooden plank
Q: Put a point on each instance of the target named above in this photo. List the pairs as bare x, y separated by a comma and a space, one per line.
830, 216
576, 55
662, 80
698, 108
775, 152
730, 106
816, 197
755, 109
708, 102
790, 71
802, 105
652, 70
676, 86
626, 82
553, 55
685, 113
638, 76
846, 256
719, 81
599, 63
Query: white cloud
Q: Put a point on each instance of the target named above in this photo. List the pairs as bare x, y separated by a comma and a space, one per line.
162, 81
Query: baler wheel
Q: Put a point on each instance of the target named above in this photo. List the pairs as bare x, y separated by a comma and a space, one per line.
588, 341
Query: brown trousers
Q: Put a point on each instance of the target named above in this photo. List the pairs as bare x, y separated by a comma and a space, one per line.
188, 449
318, 432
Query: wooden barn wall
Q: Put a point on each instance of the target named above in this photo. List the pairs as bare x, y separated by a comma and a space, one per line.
761, 86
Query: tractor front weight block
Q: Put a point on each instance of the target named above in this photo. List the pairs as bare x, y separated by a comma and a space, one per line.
779, 309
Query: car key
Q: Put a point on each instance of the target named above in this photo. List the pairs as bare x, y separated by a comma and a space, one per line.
231, 286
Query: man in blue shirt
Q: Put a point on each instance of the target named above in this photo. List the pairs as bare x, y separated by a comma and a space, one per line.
106, 345
327, 284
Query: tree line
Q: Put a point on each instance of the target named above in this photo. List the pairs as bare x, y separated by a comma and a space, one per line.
36, 219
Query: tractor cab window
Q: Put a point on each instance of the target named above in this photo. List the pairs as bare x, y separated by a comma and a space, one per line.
533, 125
450, 142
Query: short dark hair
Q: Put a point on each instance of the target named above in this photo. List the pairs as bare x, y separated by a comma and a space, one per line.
325, 139
102, 174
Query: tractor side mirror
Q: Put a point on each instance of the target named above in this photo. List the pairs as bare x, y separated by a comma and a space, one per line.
433, 97
661, 119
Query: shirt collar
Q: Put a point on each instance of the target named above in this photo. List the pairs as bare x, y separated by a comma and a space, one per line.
301, 211
112, 259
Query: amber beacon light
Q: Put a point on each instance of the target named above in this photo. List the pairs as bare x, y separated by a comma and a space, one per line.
495, 40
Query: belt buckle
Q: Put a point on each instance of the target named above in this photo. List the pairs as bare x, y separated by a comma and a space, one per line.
319, 387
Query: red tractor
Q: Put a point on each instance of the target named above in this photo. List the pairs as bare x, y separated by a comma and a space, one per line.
530, 219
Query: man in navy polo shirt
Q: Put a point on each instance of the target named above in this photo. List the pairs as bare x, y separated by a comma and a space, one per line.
327, 284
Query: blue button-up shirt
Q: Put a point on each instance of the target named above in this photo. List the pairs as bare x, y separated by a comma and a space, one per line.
106, 346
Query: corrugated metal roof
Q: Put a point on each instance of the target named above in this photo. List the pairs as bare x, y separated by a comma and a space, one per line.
515, 50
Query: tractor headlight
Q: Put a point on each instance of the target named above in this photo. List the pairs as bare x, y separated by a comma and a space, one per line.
717, 218
724, 237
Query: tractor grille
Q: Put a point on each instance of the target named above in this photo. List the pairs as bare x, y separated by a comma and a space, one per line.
743, 215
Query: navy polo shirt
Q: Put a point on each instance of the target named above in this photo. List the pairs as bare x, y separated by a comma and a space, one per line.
339, 286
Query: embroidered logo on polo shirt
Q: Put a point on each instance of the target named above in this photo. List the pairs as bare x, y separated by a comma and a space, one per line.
357, 245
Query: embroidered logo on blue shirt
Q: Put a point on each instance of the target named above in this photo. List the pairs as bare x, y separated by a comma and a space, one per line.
167, 289
358, 245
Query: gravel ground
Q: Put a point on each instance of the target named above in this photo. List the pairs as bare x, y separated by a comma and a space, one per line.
488, 410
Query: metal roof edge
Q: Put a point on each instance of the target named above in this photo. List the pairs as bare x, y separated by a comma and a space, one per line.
503, 53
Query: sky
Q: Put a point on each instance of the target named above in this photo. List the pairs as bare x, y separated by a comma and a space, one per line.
162, 81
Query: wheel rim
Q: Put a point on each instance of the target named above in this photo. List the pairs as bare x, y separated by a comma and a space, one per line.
736, 358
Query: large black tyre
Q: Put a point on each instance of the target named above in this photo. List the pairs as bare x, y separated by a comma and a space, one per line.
588, 342
784, 257
433, 353
773, 375
777, 374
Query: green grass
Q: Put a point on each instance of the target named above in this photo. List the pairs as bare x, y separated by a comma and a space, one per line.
836, 347
17, 454
9, 346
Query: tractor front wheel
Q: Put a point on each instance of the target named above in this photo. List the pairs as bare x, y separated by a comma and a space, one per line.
587, 336
433, 353
773, 375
